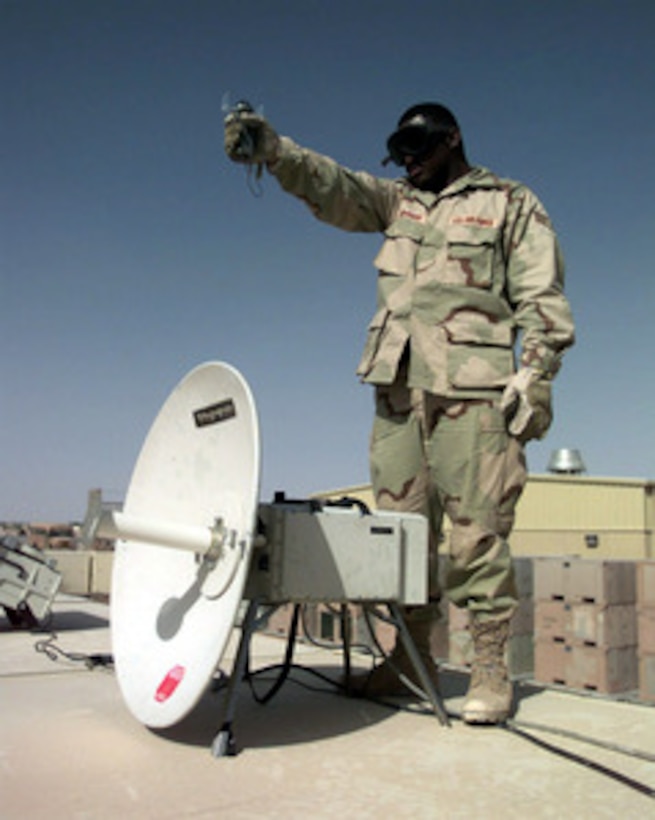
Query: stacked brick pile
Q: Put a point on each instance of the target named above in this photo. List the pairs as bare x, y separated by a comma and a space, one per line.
585, 624
520, 650
646, 629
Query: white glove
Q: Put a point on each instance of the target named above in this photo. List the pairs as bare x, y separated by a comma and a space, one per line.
249, 138
526, 401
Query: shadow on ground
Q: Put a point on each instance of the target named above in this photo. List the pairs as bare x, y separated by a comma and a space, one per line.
305, 709
71, 620
58, 622
296, 714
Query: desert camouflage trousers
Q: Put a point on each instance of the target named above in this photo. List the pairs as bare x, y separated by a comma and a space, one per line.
439, 456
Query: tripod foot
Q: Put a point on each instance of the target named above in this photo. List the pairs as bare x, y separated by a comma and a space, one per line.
224, 744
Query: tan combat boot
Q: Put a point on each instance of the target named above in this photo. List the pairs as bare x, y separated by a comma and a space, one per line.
489, 697
384, 680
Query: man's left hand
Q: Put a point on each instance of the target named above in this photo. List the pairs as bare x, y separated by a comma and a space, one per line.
526, 401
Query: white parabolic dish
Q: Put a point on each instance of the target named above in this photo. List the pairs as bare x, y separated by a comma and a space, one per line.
171, 611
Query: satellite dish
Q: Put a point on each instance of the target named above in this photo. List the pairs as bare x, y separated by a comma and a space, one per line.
185, 538
188, 524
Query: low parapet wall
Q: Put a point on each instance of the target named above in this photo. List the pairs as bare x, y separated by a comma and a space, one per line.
84, 572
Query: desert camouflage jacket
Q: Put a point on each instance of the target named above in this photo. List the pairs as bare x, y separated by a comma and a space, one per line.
462, 273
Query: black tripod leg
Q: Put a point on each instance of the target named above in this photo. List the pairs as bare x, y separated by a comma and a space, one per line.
417, 662
346, 636
224, 744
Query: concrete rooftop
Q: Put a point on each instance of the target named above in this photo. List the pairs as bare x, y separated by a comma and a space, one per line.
70, 749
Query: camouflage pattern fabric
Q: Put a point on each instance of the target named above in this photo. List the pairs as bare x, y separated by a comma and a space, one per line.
437, 456
465, 276
461, 273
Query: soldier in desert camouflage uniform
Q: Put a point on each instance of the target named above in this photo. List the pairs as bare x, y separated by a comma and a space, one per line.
469, 264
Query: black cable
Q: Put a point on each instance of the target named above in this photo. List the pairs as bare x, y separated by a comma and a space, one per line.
54, 652
601, 744
642, 788
340, 687
511, 726
50, 649
348, 502
369, 611
285, 666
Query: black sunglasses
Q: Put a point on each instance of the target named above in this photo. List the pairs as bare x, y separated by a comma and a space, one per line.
414, 139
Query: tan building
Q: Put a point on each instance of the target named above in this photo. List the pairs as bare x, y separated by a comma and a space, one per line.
573, 515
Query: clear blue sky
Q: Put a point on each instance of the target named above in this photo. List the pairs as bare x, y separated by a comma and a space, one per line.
132, 250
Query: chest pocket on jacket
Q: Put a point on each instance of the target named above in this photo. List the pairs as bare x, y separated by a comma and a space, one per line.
401, 242
471, 252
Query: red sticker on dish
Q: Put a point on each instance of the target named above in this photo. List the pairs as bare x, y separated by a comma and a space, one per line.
169, 684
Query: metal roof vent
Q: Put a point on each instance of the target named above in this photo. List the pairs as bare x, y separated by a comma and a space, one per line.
566, 462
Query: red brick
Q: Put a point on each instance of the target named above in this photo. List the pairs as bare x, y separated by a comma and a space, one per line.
607, 626
584, 580
551, 620
586, 667
577, 623
603, 582
602, 670
550, 661
551, 578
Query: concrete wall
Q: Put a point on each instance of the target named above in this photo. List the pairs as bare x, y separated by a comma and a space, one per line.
84, 572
